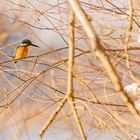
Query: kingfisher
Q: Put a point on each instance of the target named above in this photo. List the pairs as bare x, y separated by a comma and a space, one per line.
22, 49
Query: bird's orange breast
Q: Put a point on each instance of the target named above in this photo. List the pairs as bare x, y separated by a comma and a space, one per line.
21, 53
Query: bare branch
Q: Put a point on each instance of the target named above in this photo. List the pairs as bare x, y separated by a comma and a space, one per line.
97, 49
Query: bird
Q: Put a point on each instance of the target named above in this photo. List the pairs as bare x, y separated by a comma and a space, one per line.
22, 50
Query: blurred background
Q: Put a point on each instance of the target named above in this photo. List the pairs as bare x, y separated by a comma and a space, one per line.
33, 88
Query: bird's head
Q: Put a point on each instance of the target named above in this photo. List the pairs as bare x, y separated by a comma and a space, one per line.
27, 42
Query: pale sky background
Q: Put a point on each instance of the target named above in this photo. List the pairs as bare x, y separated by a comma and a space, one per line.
52, 39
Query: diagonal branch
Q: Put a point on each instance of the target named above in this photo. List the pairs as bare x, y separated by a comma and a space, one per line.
52, 117
97, 49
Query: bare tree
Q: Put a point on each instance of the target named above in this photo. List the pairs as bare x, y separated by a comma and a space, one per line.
89, 51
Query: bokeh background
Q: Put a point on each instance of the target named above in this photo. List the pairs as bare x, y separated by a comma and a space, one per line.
33, 88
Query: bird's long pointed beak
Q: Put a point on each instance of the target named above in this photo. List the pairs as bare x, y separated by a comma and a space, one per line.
35, 46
